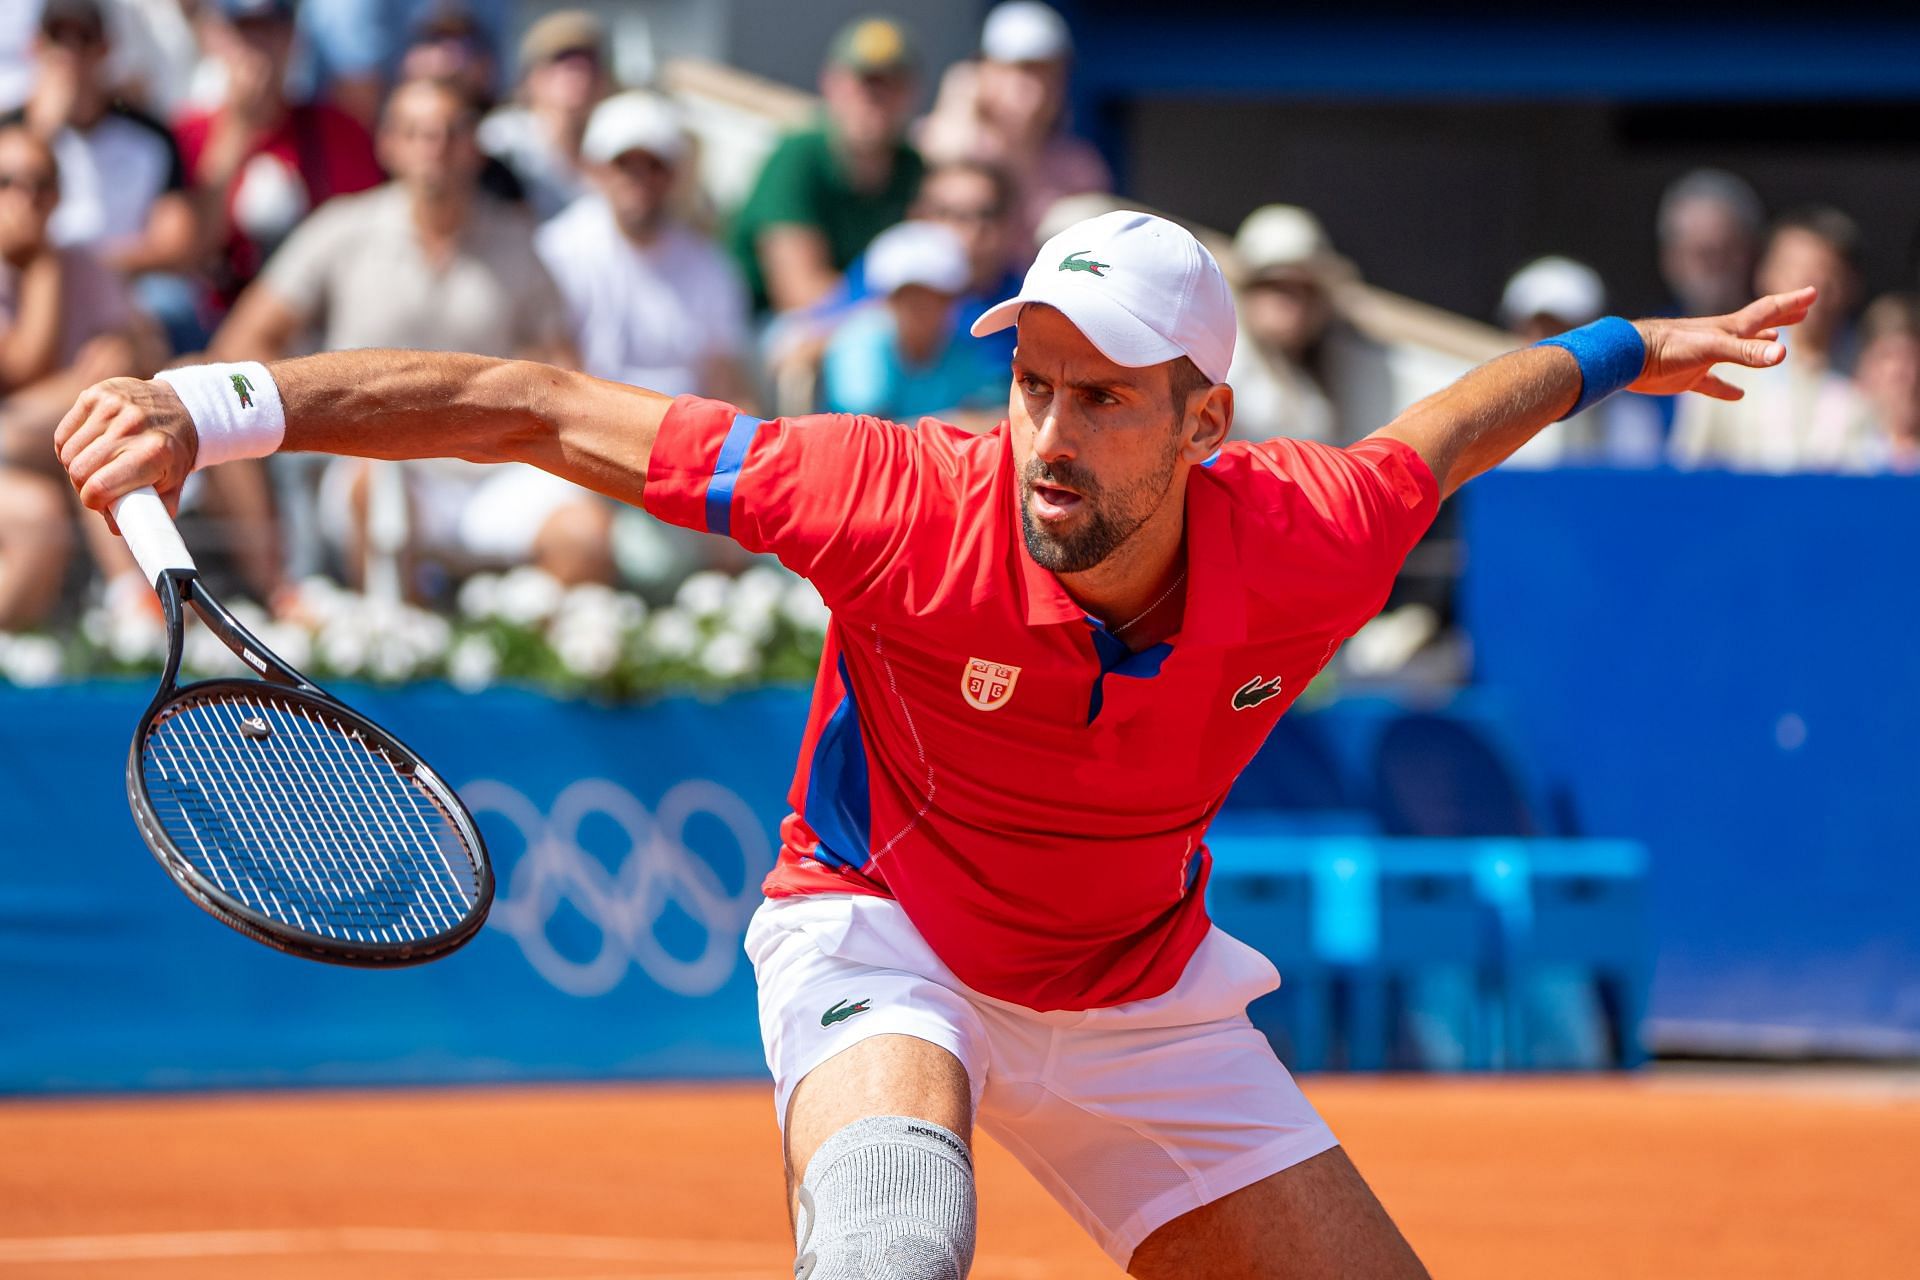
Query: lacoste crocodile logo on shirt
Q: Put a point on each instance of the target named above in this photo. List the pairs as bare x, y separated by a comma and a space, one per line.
1254, 692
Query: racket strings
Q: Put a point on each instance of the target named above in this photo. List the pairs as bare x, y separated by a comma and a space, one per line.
296, 815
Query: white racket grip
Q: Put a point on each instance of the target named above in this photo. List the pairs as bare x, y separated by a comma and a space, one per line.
150, 533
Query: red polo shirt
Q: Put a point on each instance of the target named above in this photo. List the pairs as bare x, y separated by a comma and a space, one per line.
1033, 795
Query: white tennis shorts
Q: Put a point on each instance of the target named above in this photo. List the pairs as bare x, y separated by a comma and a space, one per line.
1129, 1116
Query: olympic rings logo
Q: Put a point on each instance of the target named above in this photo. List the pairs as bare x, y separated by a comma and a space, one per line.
625, 904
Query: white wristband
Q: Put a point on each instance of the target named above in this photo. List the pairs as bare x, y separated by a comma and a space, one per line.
235, 408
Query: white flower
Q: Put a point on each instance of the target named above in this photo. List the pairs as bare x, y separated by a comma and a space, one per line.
804, 608
292, 643
672, 634
427, 636
473, 663
752, 618
203, 654
30, 660
479, 596
728, 656
528, 596
134, 636
763, 584
319, 595
587, 650
704, 594
391, 660
344, 646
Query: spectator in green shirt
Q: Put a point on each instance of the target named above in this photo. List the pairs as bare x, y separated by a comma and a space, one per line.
827, 191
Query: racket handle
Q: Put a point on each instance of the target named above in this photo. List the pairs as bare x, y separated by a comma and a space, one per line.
150, 534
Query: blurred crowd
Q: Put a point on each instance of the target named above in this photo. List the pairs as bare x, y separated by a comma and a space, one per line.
188, 180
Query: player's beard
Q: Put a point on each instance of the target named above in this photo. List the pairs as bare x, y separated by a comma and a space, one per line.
1108, 519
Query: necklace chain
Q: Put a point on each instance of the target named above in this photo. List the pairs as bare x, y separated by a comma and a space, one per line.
1158, 601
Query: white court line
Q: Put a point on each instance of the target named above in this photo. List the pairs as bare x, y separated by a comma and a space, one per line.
207, 1244
162, 1245
758, 1273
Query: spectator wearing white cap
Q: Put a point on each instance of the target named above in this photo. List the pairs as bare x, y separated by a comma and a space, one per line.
1008, 108
902, 359
1300, 369
1543, 300
652, 302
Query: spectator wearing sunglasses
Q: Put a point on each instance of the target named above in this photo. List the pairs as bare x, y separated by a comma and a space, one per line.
65, 322
123, 190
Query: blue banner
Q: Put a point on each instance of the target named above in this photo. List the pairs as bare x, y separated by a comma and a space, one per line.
1726, 667
629, 845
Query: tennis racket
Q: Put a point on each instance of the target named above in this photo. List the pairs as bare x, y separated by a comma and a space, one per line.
282, 812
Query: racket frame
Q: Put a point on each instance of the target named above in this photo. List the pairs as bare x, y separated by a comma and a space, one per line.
178, 587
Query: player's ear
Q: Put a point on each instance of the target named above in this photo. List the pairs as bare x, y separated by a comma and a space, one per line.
1209, 418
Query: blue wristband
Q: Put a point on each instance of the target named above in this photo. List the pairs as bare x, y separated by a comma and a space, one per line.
1611, 354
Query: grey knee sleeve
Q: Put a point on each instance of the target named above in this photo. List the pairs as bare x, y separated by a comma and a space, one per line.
887, 1198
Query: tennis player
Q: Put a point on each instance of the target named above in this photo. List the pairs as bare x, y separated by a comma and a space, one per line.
1053, 648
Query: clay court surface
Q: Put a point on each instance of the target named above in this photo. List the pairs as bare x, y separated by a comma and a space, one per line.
1670, 1174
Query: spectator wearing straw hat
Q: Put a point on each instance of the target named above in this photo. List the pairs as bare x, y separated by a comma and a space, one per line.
903, 359
1299, 369
828, 190
652, 302
563, 76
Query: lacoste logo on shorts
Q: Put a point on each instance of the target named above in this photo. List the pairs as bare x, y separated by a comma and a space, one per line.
987, 685
1254, 692
842, 1011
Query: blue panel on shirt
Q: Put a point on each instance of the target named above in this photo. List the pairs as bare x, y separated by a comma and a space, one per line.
726, 470
838, 806
1117, 659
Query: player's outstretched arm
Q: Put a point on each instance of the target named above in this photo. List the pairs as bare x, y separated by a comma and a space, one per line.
1475, 424
125, 433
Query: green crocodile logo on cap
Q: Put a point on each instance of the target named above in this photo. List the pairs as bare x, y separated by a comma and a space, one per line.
1078, 261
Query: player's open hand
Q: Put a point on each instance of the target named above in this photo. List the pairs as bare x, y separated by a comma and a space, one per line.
1681, 353
122, 434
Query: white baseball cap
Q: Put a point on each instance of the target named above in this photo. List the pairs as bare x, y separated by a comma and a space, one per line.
1140, 288
634, 121
923, 253
1286, 239
1025, 31
1559, 287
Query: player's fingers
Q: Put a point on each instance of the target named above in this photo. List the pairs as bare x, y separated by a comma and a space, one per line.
1768, 335
1717, 387
72, 421
1755, 353
133, 466
84, 433
1775, 310
107, 437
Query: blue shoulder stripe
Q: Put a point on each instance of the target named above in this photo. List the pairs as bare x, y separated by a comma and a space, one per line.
726, 470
